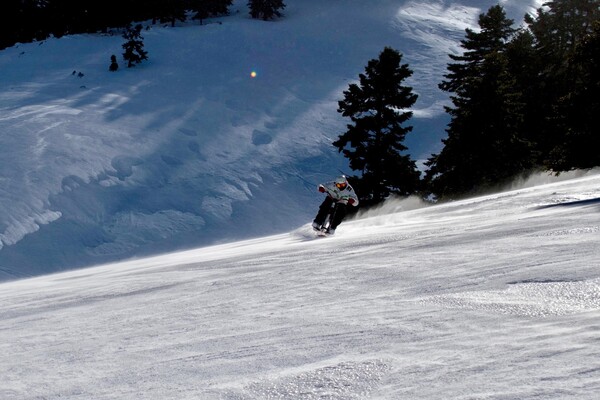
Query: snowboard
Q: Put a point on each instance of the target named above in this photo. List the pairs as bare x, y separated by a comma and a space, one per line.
322, 233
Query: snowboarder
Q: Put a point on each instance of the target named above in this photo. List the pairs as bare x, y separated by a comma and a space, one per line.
339, 192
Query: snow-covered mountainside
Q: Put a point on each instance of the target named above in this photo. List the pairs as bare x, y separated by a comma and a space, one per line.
495, 297
187, 148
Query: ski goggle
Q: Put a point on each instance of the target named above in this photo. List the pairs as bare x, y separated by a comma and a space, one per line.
341, 185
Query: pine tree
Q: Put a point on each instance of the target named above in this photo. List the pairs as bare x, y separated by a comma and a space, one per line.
373, 143
557, 29
265, 9
560, 25
10, 33
134, 46
172, 11
484, 146
579, 109
523, 65
209, 8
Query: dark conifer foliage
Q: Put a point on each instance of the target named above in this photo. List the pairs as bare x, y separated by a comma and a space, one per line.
265, 9
67, 16
105, 14
559, 25
38, 19
209, 8
578, 112
172, 11
134, 46
557, 30
523, 66
484, 145
378, 108
19, 28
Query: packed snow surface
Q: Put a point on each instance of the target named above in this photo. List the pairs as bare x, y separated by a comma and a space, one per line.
494, 297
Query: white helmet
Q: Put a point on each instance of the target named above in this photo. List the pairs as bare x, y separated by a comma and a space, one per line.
341, 182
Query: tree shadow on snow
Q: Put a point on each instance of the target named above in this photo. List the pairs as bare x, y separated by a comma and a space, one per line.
578, 203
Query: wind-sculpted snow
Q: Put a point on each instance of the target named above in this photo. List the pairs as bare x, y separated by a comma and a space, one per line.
494, 297
529, 299
343, 381
572, 231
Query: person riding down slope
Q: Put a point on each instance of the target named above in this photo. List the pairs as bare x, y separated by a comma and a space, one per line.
339, 192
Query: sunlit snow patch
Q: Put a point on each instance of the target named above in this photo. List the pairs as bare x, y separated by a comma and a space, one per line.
417, 19
573, 231
343, 381
528, 298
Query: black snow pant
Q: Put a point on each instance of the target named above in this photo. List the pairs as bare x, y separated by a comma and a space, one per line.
338, 216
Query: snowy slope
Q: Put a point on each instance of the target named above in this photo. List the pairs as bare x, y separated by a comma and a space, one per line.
187, 149
496, 297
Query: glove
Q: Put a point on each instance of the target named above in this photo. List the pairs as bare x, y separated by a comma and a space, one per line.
321, 189
351, 201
